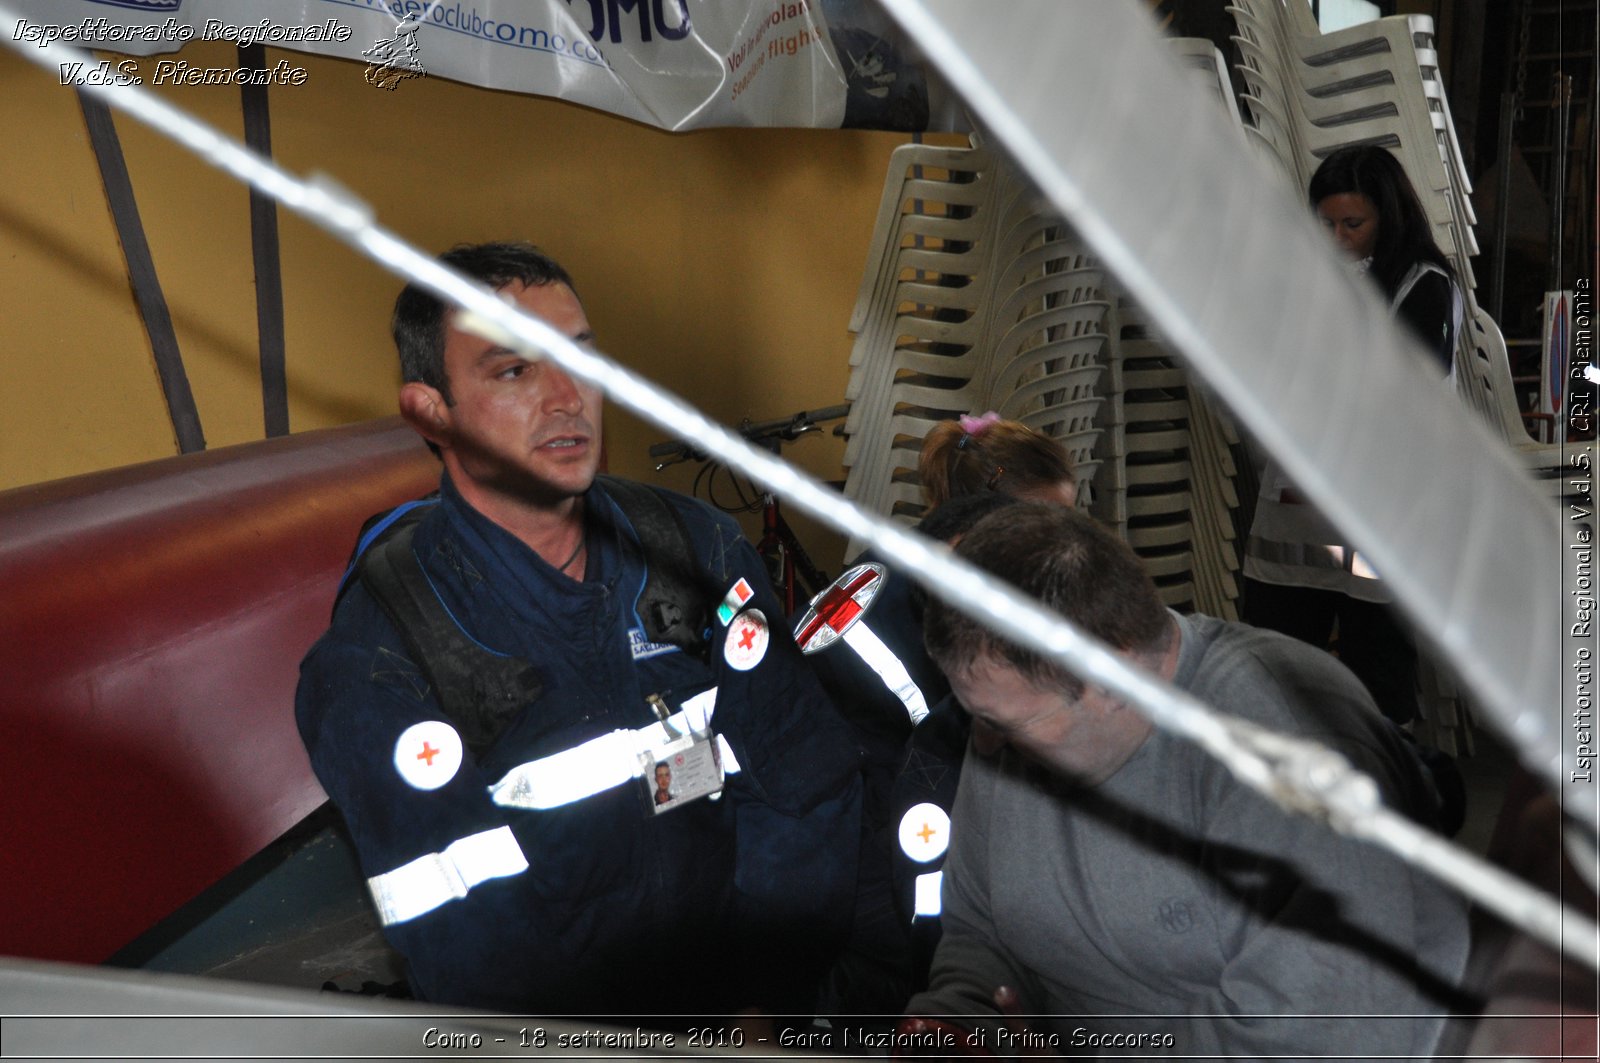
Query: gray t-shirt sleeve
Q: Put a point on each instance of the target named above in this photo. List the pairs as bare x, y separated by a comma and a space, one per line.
1333, 930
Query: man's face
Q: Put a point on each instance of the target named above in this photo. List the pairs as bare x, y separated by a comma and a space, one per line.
524, 429
1087, 738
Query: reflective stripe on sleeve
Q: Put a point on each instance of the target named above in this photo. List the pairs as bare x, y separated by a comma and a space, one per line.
573, 774
730, 763
881, 659
597, 765
427, 882
928, 906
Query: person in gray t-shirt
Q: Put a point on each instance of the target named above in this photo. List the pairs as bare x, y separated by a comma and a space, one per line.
1121, 885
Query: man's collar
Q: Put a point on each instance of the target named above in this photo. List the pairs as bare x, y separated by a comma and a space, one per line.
491, 535
1188, 651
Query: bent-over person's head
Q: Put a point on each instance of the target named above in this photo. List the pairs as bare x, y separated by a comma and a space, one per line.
1365, 199
1076, 567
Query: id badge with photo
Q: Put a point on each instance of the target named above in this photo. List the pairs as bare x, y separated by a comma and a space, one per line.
682, 771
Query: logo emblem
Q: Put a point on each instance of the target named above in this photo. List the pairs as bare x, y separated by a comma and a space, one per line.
746, 641
835, 610
1174, 916
395, 58
428, 754
924, 832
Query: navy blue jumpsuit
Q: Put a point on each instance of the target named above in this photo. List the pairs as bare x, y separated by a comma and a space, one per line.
596, 905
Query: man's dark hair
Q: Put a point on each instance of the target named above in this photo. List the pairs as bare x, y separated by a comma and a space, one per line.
956, 516
953, 519
1070, 562
418, 322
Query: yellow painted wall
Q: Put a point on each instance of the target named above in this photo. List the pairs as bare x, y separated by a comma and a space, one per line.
722, 263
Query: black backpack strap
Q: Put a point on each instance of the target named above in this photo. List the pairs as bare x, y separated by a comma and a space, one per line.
479, 690
678, 595
375, 527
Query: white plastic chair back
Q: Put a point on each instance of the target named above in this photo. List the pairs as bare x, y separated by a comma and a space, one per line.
975, 298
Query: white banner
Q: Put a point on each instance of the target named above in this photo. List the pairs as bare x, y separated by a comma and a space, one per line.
675, 64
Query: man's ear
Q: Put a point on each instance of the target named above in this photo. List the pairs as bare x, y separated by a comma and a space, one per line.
426, 411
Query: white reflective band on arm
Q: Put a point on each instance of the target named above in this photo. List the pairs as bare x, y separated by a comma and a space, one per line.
928, 894
730, 763
427, 882
881, 659
700, 707
597, 765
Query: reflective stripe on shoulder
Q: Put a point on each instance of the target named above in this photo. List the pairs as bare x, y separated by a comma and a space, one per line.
1417, 271
881, 659
609, 760
928, 905
427, 882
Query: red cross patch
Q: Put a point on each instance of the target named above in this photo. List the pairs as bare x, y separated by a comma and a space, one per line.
746, 641
427, 755
924, 832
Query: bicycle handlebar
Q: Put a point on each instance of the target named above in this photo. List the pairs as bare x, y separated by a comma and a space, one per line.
790, 428
671, 448
786, 429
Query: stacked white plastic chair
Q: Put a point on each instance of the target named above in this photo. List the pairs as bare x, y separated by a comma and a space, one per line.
974, 299
977, 299
1166, 481
1377, 83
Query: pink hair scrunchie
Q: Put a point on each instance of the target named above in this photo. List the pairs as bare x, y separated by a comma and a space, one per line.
972, 427
978, 425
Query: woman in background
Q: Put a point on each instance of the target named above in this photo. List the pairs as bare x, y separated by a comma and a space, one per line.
977, 454
1364, 198
1300, 578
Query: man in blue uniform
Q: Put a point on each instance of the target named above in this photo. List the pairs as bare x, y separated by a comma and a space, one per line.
504, 674
914, 733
